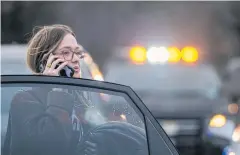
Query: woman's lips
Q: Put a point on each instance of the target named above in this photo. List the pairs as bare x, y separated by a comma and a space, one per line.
76, 69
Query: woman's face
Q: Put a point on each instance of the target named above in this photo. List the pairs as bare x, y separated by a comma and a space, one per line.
71, 51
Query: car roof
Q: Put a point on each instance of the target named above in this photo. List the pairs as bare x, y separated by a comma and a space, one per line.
162, 77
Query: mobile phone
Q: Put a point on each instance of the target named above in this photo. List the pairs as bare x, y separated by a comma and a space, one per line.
67, 71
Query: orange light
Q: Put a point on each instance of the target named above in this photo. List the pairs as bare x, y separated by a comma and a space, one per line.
174, 54
189, 54
138, 54
97, 75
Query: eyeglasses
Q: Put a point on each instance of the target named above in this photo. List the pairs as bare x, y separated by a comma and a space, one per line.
68, 53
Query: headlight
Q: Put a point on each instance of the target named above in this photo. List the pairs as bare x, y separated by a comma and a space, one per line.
236, 134
231, 153
218, 121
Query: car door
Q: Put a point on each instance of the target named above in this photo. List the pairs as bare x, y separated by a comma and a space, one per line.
120, 98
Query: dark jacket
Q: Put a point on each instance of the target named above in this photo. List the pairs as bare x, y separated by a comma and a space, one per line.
40, 123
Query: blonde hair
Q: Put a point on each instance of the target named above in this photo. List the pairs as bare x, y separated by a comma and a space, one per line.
43, 43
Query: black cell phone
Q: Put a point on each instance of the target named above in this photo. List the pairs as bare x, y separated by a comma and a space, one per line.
67, 71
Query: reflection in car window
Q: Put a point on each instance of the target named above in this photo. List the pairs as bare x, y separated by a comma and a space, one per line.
92, 113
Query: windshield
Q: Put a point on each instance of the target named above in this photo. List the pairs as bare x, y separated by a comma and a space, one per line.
90, 112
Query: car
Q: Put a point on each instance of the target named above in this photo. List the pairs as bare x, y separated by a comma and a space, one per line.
231, 87
179, 88
148, 139
234, 147
232, 90
220, 128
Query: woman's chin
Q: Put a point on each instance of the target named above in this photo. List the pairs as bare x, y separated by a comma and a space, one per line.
77, 75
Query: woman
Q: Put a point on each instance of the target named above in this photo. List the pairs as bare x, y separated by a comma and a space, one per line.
46, 121
41, 121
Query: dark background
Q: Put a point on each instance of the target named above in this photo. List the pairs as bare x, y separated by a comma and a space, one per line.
101, 26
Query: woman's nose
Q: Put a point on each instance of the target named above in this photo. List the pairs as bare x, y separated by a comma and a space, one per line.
75, 58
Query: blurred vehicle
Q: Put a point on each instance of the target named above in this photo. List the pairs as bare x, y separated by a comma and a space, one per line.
231, 87
220, 127
228, 113
234, 147
178, 86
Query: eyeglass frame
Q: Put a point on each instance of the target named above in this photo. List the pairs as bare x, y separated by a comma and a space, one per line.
72, 51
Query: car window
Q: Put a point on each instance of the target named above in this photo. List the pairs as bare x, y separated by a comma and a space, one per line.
88, 108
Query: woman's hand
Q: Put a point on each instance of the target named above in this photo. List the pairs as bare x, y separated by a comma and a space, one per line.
91, 148
52, 62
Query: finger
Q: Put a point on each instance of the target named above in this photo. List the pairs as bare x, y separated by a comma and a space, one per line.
61, 66
92, 150
54, 64
90, 144
88, 152
51, 58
